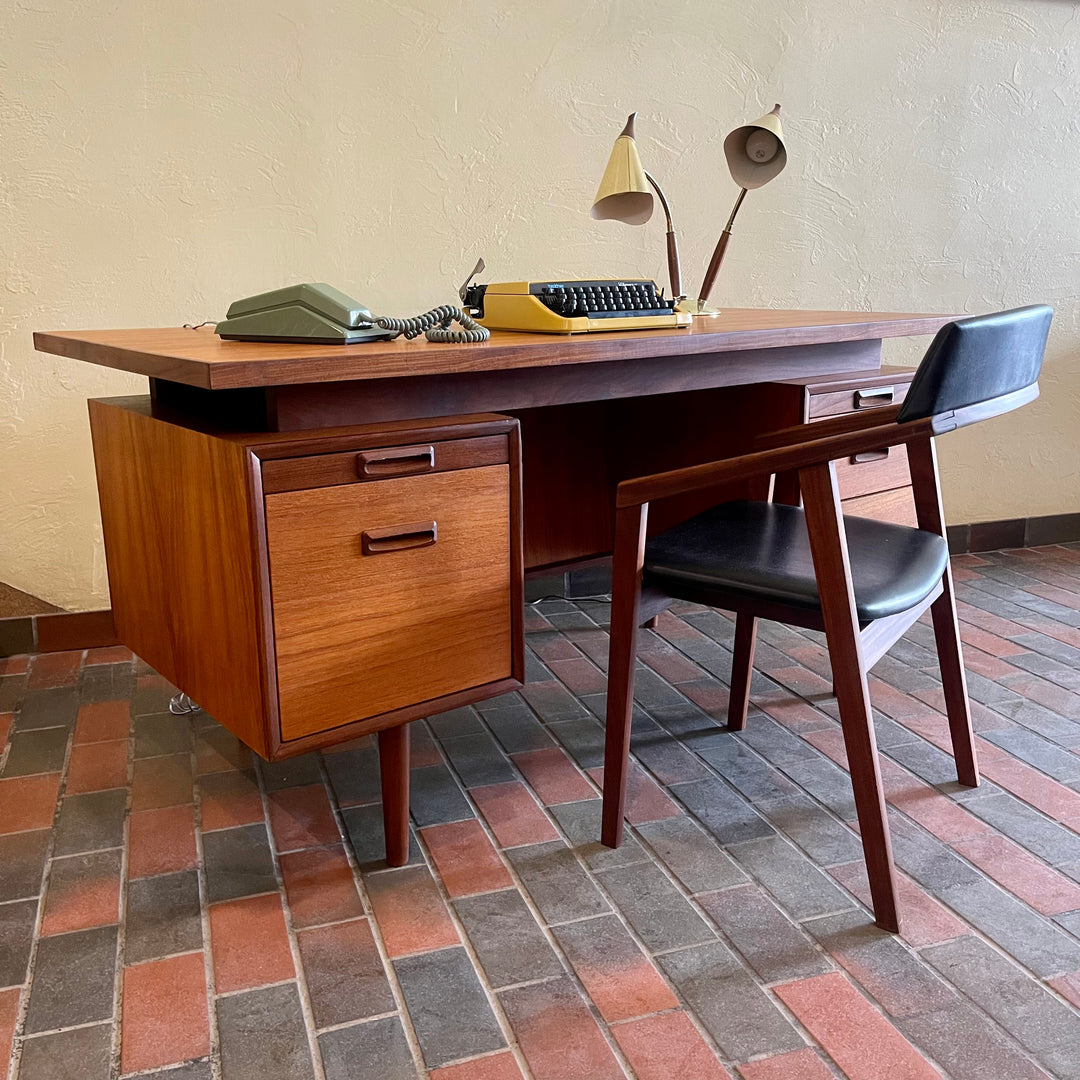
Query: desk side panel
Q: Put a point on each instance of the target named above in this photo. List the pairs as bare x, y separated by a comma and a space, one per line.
182, 548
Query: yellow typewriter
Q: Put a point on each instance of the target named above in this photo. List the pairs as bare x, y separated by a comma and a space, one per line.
573, 307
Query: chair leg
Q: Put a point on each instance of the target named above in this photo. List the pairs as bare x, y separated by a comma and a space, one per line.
625, 602
954, 683
394, 774
742, 670
832, 570
922, 462
856, 720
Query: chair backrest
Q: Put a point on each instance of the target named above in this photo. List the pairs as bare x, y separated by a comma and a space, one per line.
979, 367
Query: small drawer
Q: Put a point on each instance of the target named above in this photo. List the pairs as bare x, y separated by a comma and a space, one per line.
896, 506
877, 470
870, 395
359, 466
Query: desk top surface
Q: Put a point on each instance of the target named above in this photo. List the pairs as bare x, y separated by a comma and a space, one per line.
200, 358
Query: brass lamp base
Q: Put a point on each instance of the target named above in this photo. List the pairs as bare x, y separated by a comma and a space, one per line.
698, 308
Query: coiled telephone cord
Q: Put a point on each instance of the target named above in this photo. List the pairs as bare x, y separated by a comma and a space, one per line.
435, 325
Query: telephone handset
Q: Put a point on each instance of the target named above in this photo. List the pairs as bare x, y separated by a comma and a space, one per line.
319, 314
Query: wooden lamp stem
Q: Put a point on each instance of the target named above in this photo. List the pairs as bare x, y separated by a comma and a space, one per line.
718, 254
674, 272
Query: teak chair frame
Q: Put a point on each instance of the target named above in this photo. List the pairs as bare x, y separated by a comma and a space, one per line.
853, 648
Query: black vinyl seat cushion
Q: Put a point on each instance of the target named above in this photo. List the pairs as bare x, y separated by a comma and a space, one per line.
762, 551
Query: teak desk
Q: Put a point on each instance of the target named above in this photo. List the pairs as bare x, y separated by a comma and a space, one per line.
317, 542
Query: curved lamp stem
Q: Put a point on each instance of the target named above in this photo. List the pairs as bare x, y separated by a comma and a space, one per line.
718, 254
674, 273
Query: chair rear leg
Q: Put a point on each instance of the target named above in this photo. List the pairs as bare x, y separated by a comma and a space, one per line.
954, 683
922, 463
625, 604
742, 670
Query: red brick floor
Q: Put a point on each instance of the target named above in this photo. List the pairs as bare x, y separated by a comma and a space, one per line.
171, 908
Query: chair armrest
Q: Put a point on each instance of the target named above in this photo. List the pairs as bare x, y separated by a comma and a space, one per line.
644, 489
834, 425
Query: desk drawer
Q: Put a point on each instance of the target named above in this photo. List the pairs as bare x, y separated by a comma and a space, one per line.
896, 506
364, 466
879, 470
389, 593
878, 484
858, 396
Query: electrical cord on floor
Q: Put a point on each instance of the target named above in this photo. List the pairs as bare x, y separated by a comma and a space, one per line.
182, 705
604, 599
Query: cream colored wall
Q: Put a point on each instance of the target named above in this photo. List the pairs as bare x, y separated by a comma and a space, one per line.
160, 159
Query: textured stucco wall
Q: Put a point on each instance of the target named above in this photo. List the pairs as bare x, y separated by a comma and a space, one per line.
160, 159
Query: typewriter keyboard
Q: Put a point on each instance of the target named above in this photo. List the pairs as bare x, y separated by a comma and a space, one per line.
602, 299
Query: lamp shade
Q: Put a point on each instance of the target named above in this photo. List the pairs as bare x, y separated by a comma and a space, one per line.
755, 152
624, 193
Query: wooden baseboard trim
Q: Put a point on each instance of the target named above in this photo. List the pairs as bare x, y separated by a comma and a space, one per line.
59, 631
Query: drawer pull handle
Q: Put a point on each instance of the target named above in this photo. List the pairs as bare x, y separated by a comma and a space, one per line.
399, 537
867, 399
394, 462
870, 455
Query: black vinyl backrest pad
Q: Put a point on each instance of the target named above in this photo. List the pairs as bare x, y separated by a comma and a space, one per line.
978, 359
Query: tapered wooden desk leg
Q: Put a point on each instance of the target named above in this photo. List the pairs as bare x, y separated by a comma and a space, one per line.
625, 600
394, 773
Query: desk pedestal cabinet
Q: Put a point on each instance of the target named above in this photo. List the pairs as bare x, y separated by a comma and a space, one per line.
312, 587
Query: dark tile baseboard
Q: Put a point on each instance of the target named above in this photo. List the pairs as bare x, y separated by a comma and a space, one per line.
1014, 533
595, 579
57, 632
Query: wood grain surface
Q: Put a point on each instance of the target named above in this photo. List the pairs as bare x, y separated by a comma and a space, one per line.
357, 635
326, 470
895, 506
872, 472
200, 358
182, 546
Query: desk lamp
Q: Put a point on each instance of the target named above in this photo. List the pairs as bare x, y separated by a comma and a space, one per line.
755, 154
624, 196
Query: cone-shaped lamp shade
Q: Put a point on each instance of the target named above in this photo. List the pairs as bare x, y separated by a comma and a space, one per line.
755, 152
624, 193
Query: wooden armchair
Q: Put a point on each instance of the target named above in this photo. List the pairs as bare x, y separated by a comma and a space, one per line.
862, 582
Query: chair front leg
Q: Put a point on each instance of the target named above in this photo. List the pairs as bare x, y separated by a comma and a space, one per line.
922, 461
833, 572
625, 603
742, 670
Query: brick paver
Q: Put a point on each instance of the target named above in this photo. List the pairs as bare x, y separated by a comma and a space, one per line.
168, 903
